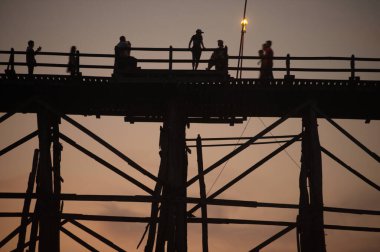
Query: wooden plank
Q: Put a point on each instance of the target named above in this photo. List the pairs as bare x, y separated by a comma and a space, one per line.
96, 235
348, 135
350, 169
19, 142
273, 238
162, 173
12, 234
202, 190
6, 116
105, 163
27, 201
78, 240
191, 200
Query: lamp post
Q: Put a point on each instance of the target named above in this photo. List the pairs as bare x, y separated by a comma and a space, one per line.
244, 24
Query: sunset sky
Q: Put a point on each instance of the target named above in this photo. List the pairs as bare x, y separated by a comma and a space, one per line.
297, 27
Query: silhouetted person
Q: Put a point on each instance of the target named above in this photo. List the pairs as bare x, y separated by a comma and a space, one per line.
72, 65
197, 40
219, 58
124, 62
11, 67
268, 60
122, 52
30, 59
262, 62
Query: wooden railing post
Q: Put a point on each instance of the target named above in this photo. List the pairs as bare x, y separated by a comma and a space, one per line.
77, 64
287, 62
352, 63
171, 58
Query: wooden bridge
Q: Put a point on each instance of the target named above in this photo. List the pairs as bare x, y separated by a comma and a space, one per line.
177, 97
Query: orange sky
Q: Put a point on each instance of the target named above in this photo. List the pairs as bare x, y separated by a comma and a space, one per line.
298, 27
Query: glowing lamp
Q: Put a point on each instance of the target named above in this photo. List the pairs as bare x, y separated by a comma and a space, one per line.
244, 24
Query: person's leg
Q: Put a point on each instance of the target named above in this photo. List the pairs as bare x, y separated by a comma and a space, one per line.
193, 59
30, 69
197, 58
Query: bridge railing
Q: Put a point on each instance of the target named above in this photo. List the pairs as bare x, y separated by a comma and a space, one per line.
170, 60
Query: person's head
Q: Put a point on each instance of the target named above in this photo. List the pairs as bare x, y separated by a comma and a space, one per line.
264, 46
269, 43
261, 52
73, 49
199, 31
122, 39
220, 43
30, 43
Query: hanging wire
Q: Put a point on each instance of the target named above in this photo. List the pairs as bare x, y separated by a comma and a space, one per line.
225, 164
287, 153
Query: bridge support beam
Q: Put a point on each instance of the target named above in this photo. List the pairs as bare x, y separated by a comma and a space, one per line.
48, 182
310, 220
172, 222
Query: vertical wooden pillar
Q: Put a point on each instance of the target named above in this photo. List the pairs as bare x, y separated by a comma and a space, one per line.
172, 225
311, 230
202, 191
48, 189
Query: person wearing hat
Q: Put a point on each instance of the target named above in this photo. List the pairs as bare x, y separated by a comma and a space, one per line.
196, 50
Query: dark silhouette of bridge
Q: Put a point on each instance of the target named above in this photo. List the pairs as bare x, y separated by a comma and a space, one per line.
178, 97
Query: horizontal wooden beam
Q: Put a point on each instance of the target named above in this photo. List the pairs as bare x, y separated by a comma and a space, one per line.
238, 138
190, 200
72, 216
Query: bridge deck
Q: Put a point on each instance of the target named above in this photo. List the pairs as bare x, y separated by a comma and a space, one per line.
202, 95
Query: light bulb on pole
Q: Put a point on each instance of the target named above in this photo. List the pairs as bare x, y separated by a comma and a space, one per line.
244, 24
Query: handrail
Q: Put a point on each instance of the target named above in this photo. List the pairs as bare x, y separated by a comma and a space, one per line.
351, 68
306, 58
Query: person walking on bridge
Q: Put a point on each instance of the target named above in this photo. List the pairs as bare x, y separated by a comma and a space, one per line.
197, 40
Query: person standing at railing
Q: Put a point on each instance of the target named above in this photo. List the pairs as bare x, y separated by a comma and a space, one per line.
11, 67
261, 63
30, 56
268, 60
197, 40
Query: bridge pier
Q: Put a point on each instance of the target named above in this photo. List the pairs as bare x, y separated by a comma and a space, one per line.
172, 224
48, 182
310, 231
